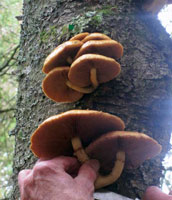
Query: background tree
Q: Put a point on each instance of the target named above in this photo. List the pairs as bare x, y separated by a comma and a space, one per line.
141, 95
9, 39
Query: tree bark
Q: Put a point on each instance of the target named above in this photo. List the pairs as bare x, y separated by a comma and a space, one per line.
141, 95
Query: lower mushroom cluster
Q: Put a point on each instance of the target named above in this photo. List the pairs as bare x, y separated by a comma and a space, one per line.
79, 65
89, 134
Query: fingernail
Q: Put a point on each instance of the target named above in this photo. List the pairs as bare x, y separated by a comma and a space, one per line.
94, 164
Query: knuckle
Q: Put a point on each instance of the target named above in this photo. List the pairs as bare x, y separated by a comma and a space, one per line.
39, 169
42, 169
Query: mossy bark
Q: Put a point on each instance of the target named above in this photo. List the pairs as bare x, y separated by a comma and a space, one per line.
141, 95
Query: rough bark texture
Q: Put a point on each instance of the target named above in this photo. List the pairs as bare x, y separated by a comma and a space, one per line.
141, 95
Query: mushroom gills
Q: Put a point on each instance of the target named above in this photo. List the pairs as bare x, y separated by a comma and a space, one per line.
86, 90
103, 181
54, 86
53, 136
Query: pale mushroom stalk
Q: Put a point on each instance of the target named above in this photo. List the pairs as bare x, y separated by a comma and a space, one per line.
93, 78
69, 60
85, 90
103, 181
79, 152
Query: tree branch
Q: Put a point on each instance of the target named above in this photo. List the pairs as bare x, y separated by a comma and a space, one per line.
7, 110
4, 199
6, 63
169, 169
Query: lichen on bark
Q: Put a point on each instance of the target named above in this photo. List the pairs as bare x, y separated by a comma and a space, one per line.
140, 95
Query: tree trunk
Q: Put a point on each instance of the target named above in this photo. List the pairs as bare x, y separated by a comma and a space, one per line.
140, 95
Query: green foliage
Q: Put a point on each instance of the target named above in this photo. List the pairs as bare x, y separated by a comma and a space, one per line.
9, 39
8, 24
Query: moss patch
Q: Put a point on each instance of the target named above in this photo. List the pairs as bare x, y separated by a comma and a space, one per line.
46, 35
85, 22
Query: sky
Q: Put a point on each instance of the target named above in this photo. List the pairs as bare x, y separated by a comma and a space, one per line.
165, 16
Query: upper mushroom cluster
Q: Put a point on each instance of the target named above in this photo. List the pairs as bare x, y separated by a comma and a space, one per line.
79, 65
90, 134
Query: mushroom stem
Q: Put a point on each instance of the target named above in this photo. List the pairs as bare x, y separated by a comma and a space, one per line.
80, 89
103, 181
93, 78
79, 152
69, 60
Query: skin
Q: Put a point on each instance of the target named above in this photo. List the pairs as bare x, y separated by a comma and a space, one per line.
63, 178
59, 178
154, 193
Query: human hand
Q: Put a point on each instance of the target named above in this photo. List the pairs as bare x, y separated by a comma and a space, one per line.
52, 179
154, 193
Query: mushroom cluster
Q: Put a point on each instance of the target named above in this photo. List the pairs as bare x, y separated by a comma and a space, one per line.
78, 66
74, 68
89, 134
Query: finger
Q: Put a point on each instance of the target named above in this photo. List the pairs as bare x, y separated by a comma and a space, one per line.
65, 163
58, 164
22, 179
88, 173
153, 193
23, 175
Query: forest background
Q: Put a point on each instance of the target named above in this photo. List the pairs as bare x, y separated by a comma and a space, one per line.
10, 19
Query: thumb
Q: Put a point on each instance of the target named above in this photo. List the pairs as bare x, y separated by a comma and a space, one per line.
88, 173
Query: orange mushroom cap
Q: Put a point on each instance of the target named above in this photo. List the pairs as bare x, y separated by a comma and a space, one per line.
106, 69
53, 137
109, 48
54, 86
138, 147
79, 36
96, 36
59, 56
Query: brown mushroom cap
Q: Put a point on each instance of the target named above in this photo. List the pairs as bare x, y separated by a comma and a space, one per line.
59, 56
106, 69
109, 48
138, 147
96, 36
54, 86
53, 137
79, 36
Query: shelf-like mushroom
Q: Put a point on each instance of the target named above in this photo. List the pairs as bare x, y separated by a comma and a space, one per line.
118, 149
55, 136
79, 36
57, 87
62, 55
54, 86
109, 48
91, 58
91, 69
96, 36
